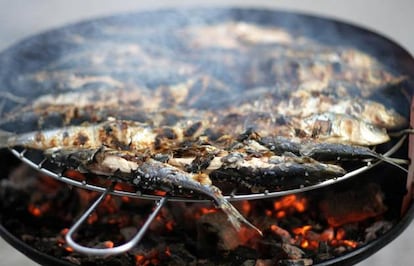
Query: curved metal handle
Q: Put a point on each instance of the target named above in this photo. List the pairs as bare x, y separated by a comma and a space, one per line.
114, 250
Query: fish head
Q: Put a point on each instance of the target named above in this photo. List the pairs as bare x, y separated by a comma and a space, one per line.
372, 135
383, 116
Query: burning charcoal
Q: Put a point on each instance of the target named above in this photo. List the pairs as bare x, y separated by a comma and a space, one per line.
249, 263
296, 262
324, 251
244, 252
128, 232
215, 232
73, 260
282, 233
180, 255
292, 251
264, 263
377, 229
353, 205
271, 248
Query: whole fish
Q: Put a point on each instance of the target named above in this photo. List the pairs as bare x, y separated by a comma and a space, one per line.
116, 134
339, 128
145, 173
325, 151
307, 102
272, 172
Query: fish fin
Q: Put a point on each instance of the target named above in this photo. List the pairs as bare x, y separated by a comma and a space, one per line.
393, 161
5, 138
234, 216
401, 133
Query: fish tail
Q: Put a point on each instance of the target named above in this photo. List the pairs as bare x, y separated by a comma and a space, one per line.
234, 216
393, 161
174, 176
5, 138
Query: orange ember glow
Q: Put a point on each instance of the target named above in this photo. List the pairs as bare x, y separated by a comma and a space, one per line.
125, 199
280, 214
108, 244
301, 230
202, 211
268, 213
350, 243
38, 210
160, 193
246, 207
207, 210
75, 175
169, 225
139, 259
64, 231
35, 211
92, 218
340, 234
308, 239
168, 251
287, 205
146, 260
124, 187
290, 203
304, 244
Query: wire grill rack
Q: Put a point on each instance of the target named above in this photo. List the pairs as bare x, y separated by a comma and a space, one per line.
160, 201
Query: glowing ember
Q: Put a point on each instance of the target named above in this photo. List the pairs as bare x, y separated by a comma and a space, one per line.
308, 239
302, 230
280, 214
35, 211
350, 243
140, 259
340, 234
92, 218
168, 251
148, 259
246, 207
169, 225
108, 244
207, 210
290, 204
38, 210
74, 175
160, 193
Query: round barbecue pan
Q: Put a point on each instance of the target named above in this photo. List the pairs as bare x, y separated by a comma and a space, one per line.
41, 52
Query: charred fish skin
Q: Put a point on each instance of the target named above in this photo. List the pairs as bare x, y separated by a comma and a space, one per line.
319, 150
275, 171
71, 158
280, 145
336, 151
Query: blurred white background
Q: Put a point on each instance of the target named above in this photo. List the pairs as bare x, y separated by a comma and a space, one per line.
394, 19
